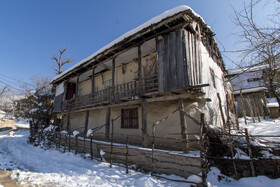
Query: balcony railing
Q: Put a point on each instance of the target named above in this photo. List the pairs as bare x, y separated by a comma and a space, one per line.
123, 92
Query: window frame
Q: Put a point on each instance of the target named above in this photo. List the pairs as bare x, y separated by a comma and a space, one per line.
129, 116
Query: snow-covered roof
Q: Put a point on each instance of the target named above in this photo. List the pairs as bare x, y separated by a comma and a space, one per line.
247, 69
153, 21
272, 102
251, 90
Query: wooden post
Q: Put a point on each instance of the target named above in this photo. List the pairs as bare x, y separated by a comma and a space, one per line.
221, 109
235, 112
256, 108
86, 123
76, 147
65, 142
68, 121
140, 69
259, 105
77, 86
243, 107
266, 110
93, 82
228, 117
85, 150
126, 156
251, 109
203, 150
183, 126
107, 127
250, 152
69, 142
144, 123
91, 152
113, 80
153, 147
112, 139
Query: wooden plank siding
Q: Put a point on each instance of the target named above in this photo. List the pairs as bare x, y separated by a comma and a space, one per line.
178, 60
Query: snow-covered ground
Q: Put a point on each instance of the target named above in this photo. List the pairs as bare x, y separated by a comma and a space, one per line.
36, 166
23, 123
265, 127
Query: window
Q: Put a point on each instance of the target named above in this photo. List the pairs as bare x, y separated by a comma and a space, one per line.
130, 118
213, 77
253, 79
108, 83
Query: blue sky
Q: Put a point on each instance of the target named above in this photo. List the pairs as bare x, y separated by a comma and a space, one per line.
31, 31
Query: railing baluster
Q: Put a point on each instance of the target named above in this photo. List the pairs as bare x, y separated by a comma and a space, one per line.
117, 92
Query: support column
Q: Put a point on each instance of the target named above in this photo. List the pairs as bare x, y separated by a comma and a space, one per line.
68, 122
142, 87
65, 91
221, 109
183, 126
144, 124
86, 123
107, 126
92, 81
77, 86
113, 80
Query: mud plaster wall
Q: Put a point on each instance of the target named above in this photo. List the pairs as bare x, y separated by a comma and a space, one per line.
169, 128
212, 108
127, 73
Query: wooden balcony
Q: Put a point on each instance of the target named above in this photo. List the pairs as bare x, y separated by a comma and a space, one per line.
115, 94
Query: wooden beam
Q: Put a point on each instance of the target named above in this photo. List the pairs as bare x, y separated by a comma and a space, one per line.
139, 63
92, 82
113, 71
221, 109
175, 97
183, 125
144, 123
86, 123
243, 107
68, 122
107, 126
77, 86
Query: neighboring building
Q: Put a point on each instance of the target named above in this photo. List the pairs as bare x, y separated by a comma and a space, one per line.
273, 106
249, 82
143, 76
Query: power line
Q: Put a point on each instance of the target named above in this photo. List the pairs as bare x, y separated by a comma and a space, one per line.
11, 86
10, 82
14, 79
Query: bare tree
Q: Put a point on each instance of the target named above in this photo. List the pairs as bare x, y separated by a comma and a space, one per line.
38, 99
60, 62
261, 43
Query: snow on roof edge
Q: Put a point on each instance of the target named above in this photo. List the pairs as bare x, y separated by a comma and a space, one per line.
152, 21
248, 90
247, 69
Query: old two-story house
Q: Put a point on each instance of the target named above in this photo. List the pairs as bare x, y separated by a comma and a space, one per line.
144, 75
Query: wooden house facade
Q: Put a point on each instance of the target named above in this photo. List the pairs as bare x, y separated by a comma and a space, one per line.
169, 62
